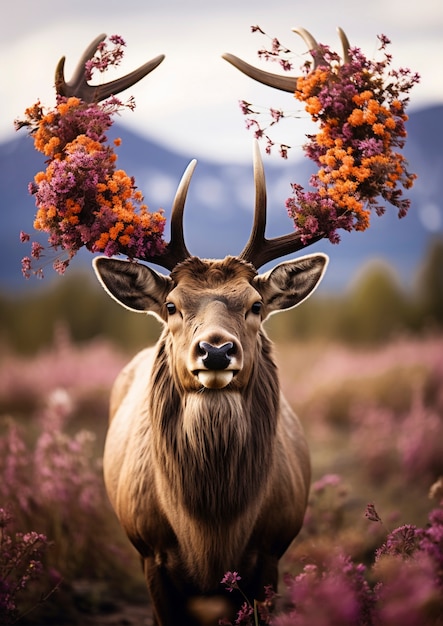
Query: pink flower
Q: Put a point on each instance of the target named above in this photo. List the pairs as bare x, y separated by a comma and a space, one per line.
24, 236
230, 579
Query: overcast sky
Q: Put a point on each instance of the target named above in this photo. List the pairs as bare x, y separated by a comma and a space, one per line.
190, 102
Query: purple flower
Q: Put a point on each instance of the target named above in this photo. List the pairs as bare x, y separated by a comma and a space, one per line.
104, 57
245, 107
230, 580
36, 250
24, 236
21, 557
371, 514
403, 541
244, 615
328, 480
336, 595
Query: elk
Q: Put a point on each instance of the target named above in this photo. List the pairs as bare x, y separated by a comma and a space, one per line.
205, 464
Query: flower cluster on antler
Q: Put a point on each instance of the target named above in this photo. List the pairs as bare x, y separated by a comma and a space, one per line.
82, 199
359, 106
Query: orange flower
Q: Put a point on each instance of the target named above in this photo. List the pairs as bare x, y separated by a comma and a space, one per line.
64, 107
378, 129
362, 97
115, 230
390, 123
369, 117
313, 106
102, 242
356, 118
125, 240
40, 177
51, 212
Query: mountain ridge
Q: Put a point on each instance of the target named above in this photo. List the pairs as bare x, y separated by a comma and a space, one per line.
219, 208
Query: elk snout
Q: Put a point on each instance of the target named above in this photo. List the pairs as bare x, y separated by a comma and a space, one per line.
216, 363
216, 357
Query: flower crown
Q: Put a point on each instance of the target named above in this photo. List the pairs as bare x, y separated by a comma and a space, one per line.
83, 200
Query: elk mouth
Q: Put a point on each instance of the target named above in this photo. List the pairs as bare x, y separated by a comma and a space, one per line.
215, 379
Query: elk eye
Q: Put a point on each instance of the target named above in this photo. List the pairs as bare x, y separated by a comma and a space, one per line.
171, 308
256, 308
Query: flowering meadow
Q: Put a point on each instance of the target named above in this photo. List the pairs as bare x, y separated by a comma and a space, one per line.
52, 499
371, 549
370, 552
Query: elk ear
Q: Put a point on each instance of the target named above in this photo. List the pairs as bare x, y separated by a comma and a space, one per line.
135, 286
291, 282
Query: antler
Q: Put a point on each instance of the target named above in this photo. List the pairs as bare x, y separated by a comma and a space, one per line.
285, 83
78, 86
176, 250
260, 250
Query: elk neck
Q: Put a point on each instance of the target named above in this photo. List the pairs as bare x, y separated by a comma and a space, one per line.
214, 448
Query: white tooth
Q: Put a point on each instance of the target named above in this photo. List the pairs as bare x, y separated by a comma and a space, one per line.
215, 379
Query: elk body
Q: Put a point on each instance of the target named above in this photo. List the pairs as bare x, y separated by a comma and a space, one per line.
205, 464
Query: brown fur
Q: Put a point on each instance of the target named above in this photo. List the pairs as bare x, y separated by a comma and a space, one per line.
206, 480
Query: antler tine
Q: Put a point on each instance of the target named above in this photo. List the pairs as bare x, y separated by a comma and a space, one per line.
257, 241
120, 84
345, 43
260, 250
309, 39
77, 83
78, 86
283, 83
176, 250
277, 81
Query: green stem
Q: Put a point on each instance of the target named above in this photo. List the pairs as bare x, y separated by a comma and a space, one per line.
256, 613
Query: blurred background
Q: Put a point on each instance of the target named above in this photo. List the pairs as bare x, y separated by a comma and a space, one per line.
361, 361
188, 108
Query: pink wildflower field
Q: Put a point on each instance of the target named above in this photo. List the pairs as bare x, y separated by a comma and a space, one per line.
370, 552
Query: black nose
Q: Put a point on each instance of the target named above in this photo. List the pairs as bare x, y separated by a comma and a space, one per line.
216, 357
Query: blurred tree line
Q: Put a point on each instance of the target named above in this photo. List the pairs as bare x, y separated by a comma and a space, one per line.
373, 310
77, 304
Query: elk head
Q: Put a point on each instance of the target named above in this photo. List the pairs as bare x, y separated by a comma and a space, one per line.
214, 309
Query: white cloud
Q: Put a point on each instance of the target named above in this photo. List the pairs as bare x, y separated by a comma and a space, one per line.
190, 101
210, 191
431, 217
159, 186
